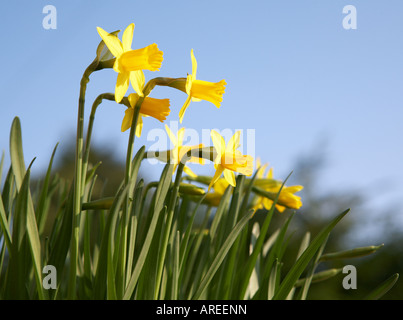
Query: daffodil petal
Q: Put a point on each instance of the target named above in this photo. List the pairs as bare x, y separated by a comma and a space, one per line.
221, 185
171, 136
127, 119
122, 84
230, 177
189, 172
183, 109
133, 97
293, 189
270, 174
127, 37
138, 80
194, 65
218, 142
258, 163
233, 143
180, 135
267, 203
139, 126
280, 208
216, 176
188, 86
260, 168
112, 42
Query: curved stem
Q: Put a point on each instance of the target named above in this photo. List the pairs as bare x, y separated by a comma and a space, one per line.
96, 103
78, 181
208, 153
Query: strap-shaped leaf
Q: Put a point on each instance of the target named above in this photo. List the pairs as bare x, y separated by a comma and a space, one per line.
161, 193
221, 255
383, 288
348, 254
300, 265
16, 152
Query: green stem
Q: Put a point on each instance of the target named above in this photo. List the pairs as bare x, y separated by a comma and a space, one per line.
208, 153
132, 136
78, 180
96, 103
173, 82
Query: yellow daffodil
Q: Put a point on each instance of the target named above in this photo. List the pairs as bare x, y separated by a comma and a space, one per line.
201, 90
229, 159
151, 107
179, 151
287, 197
129, 64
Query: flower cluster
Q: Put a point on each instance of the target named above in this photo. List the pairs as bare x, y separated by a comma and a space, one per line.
130, 63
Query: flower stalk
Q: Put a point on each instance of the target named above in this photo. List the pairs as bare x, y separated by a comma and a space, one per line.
78, 179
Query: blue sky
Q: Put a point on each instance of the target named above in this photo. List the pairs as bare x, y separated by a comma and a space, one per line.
293, 74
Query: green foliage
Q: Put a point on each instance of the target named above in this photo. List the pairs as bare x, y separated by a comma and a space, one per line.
143, 243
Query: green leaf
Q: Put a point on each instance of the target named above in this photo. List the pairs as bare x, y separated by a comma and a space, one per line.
61, 242
105, 268
220, 211
274, 255
251, 262
221, 255
383, 288
8, 193
18, 165
4, 226
304, 243
1, 165
348, 254
175, 272
161, 193
320, 276
300, 265
311, 271
40, 209
26, 225
272, 283
16, 152
111, 287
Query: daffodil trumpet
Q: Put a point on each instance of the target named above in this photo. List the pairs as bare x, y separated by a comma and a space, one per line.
198, 90
151, 107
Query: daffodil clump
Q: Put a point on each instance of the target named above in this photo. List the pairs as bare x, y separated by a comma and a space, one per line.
185, 236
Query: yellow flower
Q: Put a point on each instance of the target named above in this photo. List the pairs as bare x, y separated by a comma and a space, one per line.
286, 199
151, 107
129, 64
229, 159
201, 90
179, 151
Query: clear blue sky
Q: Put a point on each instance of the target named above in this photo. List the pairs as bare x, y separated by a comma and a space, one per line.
294, 74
